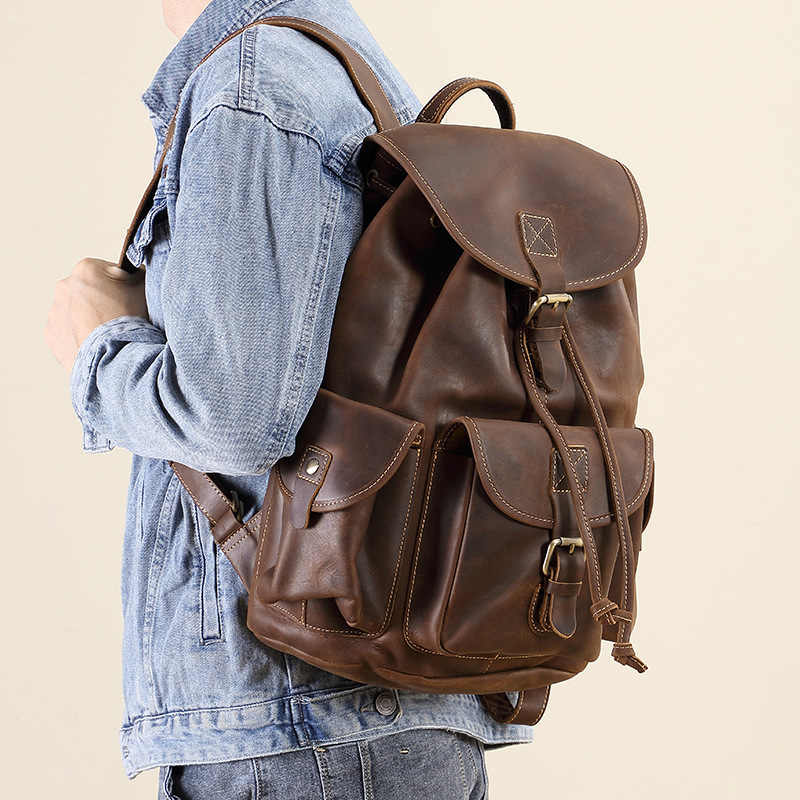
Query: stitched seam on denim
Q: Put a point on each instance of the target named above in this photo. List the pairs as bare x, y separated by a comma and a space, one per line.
300, 356
204, 576
154, 573
224, 102
356, 81
366, 770
256, 778
461, 767
354, 78
246, 68
472, 760
324, 777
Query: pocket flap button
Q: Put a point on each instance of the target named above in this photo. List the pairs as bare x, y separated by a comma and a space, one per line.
312, 466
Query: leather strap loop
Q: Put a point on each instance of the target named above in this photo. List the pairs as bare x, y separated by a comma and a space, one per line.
364, 80
237, 540
207, 495
440, 103
528, 709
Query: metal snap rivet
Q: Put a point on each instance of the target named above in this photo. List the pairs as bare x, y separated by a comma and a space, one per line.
385, 704
312, 466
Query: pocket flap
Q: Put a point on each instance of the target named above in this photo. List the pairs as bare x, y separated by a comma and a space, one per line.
515, 462
366, 445
144, 233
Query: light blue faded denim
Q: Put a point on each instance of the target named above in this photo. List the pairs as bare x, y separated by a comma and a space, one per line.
412, 765
255, 214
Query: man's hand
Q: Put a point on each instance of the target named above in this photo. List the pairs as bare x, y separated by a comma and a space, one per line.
96, 292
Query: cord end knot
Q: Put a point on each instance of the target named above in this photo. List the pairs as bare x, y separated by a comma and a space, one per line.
624, 654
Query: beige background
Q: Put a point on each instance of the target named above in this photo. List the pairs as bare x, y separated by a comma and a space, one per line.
700, 100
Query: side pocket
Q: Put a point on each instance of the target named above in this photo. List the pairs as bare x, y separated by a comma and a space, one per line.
336, 516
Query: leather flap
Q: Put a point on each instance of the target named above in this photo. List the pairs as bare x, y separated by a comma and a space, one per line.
366, 445
515, 461
518, 201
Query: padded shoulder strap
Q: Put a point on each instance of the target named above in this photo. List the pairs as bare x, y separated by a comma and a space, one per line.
364, 80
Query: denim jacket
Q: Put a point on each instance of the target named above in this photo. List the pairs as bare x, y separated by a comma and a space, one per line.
256, 211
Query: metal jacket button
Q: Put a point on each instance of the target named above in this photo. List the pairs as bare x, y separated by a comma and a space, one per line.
385, 704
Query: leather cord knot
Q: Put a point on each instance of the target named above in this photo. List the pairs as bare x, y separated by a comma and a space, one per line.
624, 654
603, 611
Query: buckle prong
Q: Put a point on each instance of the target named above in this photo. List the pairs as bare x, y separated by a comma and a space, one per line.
547, 299
562, 541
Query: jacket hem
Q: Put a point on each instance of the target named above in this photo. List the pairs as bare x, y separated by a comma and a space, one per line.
209, 736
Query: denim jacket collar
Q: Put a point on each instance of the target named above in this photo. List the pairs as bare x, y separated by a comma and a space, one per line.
219, 19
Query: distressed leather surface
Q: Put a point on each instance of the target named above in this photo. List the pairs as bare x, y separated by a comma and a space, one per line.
464, 509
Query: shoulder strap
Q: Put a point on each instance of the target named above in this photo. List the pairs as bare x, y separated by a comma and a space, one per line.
364, 79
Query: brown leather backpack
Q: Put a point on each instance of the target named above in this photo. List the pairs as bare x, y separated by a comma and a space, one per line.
464, 508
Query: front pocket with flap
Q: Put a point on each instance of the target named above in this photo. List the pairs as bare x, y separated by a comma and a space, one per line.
486, 527
336, 517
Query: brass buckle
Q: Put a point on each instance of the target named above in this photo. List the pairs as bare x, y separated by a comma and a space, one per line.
565, 541
547, 299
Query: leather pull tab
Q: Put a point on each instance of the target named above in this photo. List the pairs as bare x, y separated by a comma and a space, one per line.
564, 579
539, 241
544, 338
559, 612
308, 481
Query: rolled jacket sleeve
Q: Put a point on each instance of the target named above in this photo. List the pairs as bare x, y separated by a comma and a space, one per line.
247, 292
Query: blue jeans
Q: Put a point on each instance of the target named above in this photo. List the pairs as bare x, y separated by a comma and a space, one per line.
419, 764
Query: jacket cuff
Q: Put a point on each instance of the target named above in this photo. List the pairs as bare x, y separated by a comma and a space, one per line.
84, 373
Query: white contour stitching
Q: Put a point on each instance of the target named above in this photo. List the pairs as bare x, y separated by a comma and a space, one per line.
494, 488
525, 218
317, 505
